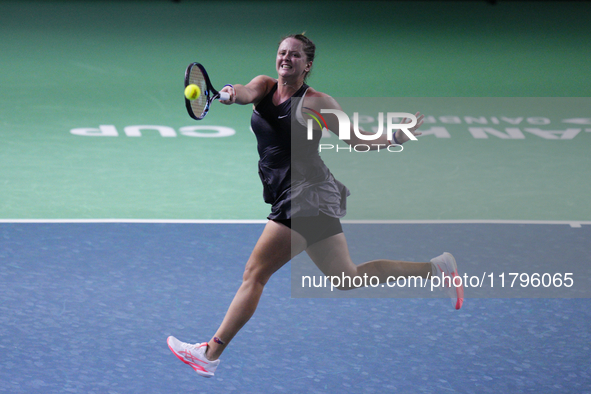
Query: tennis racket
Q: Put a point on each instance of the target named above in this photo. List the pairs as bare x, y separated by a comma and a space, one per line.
197, 75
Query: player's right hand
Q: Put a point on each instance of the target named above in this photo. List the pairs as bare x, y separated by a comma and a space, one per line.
232, 92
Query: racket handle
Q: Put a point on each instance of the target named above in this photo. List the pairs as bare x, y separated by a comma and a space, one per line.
224, 96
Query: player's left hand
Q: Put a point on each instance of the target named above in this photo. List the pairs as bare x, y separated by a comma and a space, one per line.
401, 137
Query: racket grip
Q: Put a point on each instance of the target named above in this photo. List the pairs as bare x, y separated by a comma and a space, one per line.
224, 96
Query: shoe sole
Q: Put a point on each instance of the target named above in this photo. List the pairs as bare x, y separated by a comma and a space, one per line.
196, 368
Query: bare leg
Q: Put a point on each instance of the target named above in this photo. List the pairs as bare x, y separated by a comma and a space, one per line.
332, 258
275, 247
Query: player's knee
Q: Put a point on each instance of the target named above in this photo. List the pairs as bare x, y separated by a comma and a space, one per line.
346, 280
255, 272
346, 286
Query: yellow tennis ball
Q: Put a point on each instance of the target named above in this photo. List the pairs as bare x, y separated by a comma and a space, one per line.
192, 92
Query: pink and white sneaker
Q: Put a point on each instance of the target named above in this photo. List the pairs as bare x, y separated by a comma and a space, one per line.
447, 270
194, 355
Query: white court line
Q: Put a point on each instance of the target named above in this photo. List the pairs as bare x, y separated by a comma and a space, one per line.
572, 223
148, 221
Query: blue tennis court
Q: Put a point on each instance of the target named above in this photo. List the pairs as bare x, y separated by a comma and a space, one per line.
87, 308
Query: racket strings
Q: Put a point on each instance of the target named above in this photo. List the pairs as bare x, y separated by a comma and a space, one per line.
199, 105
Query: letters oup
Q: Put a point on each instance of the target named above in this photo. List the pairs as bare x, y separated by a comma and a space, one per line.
391, 127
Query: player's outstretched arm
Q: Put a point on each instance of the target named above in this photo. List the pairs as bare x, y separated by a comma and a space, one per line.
320, 101
400, 137
251, 93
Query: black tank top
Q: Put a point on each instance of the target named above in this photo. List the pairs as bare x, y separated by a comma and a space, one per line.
290, 166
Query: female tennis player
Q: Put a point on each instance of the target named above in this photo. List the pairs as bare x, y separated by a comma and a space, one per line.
307, 202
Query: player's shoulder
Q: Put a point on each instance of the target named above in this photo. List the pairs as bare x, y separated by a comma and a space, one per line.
261, 85
311, 92
264, 80
315, 99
